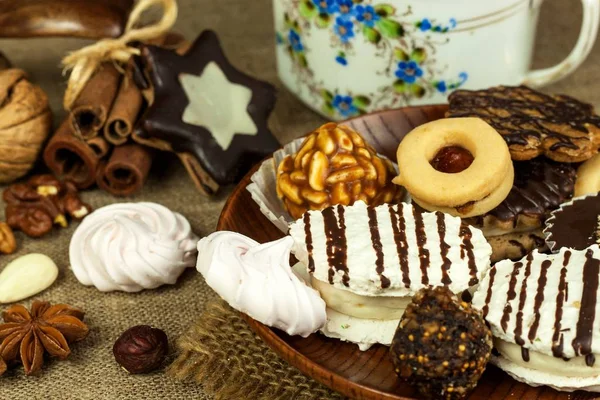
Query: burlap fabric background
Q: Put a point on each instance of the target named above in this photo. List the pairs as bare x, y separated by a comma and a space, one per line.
245, 28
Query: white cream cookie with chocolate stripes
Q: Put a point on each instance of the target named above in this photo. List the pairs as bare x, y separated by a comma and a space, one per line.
368, 262
543, 312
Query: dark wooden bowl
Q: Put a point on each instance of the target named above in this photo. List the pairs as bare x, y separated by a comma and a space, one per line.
342, 366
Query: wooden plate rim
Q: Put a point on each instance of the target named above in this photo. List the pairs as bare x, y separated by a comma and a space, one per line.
307, 366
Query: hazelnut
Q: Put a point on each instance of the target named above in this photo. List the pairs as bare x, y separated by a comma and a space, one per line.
141, 349
452, 159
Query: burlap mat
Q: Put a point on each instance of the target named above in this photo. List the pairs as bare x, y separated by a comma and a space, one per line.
231, 362
245, 28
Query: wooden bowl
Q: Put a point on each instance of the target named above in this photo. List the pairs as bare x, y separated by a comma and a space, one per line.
339, 365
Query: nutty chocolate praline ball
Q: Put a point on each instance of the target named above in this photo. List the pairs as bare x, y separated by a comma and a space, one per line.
441, 345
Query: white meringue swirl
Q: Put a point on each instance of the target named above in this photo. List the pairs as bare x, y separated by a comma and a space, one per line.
257, 280
131, 247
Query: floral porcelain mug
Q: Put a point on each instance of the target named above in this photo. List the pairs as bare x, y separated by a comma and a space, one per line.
347, 57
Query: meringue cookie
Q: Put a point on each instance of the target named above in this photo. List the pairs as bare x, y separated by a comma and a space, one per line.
131, 247
389, 250
257, 280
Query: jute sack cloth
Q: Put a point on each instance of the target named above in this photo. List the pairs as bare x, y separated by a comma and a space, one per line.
245, 28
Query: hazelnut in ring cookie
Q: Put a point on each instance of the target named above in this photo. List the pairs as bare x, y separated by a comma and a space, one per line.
460, 166
588, 177
334, 165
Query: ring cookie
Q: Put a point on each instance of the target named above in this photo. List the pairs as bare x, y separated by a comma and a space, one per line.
479, 188
532, 123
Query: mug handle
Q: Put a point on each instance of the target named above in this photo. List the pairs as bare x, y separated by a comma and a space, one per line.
585, 42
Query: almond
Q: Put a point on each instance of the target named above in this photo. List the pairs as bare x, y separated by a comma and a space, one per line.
26, 276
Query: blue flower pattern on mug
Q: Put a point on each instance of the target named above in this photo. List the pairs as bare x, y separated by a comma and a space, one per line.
295, 41
426, 25
409, 71
444, 86
341, 58
325, 6
412, 71
367, 15
344, 105
344, 29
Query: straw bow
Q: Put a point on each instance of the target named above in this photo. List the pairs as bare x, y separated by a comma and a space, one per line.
85, 61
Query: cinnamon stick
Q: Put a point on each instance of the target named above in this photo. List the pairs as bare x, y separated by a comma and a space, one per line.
123, 113
100, 146
70, 157
90, 111
203, 181
126, 170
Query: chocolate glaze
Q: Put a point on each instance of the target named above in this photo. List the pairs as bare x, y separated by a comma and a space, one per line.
466, 249
582, 343
525, 117
309, 244
576, 225
539, 299
522, 298
421, 242
399, 228
511, 294
444, 247
540, 186
376, 241
525, 354
337, 247
590, 360
561, 297
488, 295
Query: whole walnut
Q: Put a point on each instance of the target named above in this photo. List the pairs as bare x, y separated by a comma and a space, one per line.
141, 349
25, 122
334, 166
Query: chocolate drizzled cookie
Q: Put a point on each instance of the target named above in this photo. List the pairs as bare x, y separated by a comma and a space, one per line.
532, 123
540, 187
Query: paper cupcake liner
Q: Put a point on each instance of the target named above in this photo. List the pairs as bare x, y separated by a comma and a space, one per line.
263, 188
550, 221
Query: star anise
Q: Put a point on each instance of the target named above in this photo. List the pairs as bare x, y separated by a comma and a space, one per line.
28, 335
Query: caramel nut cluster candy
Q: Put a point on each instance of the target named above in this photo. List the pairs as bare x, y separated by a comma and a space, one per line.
35, 206
334, 166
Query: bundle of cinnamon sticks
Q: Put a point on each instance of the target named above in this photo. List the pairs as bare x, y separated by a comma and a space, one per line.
92, 144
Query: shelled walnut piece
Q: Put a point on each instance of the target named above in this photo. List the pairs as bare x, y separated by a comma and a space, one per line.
25, 122
35, 206
334, 166
27, 335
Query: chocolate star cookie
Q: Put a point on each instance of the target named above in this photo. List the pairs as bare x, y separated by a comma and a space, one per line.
533, 123
208, 112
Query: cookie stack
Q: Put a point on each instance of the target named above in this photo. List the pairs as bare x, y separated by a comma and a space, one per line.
546, 137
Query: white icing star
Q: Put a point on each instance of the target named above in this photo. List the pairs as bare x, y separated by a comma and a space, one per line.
218, 105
